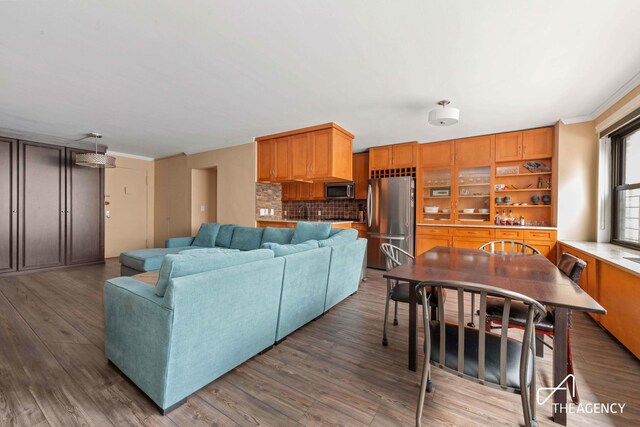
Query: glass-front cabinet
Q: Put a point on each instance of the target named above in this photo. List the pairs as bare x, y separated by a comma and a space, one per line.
473, 186
437, 196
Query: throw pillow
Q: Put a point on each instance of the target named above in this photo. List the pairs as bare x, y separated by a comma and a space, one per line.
310, 231
224, 235
179, 265
206, 236
344, 236
283, 250
246, 238
277, 235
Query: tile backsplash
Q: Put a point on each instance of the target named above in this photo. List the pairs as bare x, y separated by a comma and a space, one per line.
269, 196
328, 209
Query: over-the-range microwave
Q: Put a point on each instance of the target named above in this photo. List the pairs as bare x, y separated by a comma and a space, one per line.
339, 190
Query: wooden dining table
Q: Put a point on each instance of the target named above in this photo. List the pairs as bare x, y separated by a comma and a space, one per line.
531, 275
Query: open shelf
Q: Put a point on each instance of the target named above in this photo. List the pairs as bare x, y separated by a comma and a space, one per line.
474, 197
525, 206
523, 174
523, 190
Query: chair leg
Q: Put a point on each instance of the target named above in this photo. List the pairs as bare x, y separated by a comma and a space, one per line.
386, 317
572, 386
540, 348
395, 314
487, 325
473, 304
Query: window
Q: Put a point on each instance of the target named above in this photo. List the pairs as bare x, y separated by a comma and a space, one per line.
626, 186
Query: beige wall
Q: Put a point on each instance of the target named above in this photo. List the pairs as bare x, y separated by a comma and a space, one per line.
577, 181
203, 197
130, 197
236, 177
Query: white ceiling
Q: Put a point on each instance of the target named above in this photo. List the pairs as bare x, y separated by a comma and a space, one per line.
163, 77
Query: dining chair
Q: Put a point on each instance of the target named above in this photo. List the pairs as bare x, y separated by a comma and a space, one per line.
396, 291
490, 359
501, 246
570, 266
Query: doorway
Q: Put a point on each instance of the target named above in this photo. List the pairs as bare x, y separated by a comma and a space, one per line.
204, 197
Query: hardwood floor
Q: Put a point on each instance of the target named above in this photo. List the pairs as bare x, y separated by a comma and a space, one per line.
333, 371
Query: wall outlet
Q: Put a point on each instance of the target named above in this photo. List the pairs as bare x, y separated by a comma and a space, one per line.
271, 212
319, 213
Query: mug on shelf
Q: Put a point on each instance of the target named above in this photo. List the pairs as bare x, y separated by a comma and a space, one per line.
535, 200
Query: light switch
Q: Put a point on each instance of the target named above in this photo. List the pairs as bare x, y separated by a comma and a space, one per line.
201, 208
107, 214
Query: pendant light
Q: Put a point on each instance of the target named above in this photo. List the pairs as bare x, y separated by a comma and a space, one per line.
445, 116
95, 160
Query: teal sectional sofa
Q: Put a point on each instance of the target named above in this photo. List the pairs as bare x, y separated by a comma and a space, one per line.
214, 307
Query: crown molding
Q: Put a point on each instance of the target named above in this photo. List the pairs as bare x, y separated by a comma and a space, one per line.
577, 119
617, 96
625, 110
131, 156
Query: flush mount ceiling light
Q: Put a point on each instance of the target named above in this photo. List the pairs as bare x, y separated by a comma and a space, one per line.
445, 116
95, 160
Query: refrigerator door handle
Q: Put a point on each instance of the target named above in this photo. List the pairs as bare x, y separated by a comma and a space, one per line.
369, 213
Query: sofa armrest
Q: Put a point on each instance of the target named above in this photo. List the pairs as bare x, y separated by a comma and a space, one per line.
177, 242
137, 333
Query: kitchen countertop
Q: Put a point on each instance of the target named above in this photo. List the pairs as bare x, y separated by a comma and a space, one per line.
506, 227
330, 221
607, 252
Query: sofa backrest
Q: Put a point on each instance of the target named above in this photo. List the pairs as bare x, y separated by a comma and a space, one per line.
343, 236
283, 250
246, 238
223, 239
186, 264
310, 231
278, 235
206, 236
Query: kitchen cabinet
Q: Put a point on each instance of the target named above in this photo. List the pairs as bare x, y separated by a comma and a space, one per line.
470, 237
474, 151
9, 206
317, 153
361, 228
393, 156
435, 154
290, 191
530, 144
361, 174
276, 224
273, 160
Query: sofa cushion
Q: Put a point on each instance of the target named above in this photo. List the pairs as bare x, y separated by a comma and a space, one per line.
246, 238
277, 235
310, 231
224, 235
179, 265
207, 251
283, 250
206, 236
339, 238
147, 259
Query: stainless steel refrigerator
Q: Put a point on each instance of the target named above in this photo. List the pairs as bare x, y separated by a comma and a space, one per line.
390, 217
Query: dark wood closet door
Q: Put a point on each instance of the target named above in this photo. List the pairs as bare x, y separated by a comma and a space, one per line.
8, 205
41, 206
85, 201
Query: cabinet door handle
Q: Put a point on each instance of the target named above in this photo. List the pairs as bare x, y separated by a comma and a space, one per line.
524, 149
14, 211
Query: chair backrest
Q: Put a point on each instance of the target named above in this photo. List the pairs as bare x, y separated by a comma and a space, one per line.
571, 266
393, 255
427, 290
509, 246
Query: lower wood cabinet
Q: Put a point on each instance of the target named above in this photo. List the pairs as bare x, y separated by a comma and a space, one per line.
474, 237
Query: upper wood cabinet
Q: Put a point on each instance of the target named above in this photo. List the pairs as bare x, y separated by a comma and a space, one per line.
318, 153
474, 151
537, 143
393, 156
435, 154
508, 146
524, 145
361, 174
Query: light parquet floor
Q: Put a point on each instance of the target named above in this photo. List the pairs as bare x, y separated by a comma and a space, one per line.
333, 371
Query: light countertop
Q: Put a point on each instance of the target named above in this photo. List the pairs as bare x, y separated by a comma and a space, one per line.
506, 227
334, 221
607, 252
